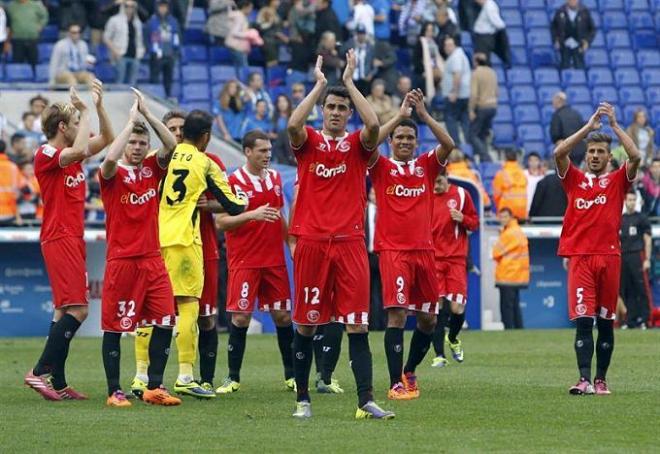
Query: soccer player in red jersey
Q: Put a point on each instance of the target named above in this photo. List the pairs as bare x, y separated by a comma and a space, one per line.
331, 270
61, 178
136, 286
255, 257
454, 216
403, 241
590, 240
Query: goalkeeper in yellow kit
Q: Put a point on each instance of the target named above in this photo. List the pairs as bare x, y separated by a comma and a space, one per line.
190, 174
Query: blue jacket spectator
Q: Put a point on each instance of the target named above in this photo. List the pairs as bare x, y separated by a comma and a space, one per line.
381, 19
229, 111
164, 43
258, 119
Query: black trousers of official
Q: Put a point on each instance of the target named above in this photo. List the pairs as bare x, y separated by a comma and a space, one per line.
634, 288
510, 306
571, 58
164, 65
479, 129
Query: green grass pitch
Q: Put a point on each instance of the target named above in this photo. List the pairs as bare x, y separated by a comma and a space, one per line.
509, 395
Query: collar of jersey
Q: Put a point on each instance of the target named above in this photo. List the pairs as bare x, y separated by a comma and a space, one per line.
252, 177
336, 139
186, 147
593, 175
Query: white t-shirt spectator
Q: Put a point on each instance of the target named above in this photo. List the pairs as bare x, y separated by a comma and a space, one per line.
363, 14
457, 62
489, 20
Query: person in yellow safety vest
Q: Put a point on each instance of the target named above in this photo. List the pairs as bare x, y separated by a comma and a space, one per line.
10, 182
458, 167
511, 255
510, 186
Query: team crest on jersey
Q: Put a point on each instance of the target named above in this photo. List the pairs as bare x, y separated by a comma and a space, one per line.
583, 185
452, 204
580, 309
603, 182
313, 316
394, 172
344, 147
243, 304
125, 323
278, 190
401, 298
146, 172
322, 147
419, 171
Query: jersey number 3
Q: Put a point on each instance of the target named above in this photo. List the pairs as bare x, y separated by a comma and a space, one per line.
178, 186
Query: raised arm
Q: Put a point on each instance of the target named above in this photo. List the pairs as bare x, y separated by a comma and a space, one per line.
80, 148
634, 156
117, 147
106, 136
296, 126
164, 134
563, 150
369, 134
444, 139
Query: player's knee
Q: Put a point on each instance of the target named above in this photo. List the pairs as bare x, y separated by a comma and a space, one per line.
357, 329
426, 322
281, 318
457, 308
241, 320
396, 318
206, 323
306, 330
79, 312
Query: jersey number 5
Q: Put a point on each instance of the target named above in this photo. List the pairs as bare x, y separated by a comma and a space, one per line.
178, 186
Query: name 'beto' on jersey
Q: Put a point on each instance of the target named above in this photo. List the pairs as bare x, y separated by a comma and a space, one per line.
404, 202
130, 199
331, 185
593, 216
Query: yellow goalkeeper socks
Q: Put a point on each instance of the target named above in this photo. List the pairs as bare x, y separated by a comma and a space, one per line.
186, 339
142, 339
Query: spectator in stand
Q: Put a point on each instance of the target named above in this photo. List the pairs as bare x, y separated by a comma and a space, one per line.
30, 206
428, 64
327, 21
364, 58
488, 24
74, 12
511, 256
549, 198
10, 183
217, 24
270, 28
403, 86
37, 105
381, 102
381, 20
385, 64
255, 92
482, 106
298, 93
302, 31
651, 186
33, 139
27, 18
455, 89
123, 37
333, 63
564, 123
164, 42
468, 10
18, 152
642, 134
410, 21
68, 62
240, 37
5, 34
534, 172
510, 186
445, 28
283, 111
458, 167
573, 30
258, 119
363, 15
229, 111
93, 204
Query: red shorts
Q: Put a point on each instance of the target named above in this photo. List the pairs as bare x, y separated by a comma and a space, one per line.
269, 285
452, 279
331, 279
65, 264
208, 302
408, 280
136, 292
593, 286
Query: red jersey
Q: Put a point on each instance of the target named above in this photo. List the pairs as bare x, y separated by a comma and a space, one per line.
256, 244
404, 202
130, 199
450, 238
207, 225
331, 186
63, 190
593, 215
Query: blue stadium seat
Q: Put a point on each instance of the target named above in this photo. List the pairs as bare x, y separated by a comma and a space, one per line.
545, 94
599, 40
102, 53
631, 95
222, 73
197, 17
220, 55
509, 4
522, 94
194, 73
546, 113
49, 34
641, 21
585, 110
622, 58
544, 56
526, 113
201, 105
532, 4
573, 76
519, 56
18, 72
196, 92
517, 76
194, 36
590, 4
650, 77
41, 73
647, 58
488, 170
626, 76
554, 5
516, 37
500, 73
502, 94
538, 147
511, 17
655, 115
546, 76
615, 20
144, 73
645, 39
45, 51
153, 89
598, 22
530, 133
578, 94
611, 4
194, 53
535, 19
503, 134
618, 38
106, 72
504, 114
605, 93
596, 57
653, 95
600, 76
637, 5
539, 37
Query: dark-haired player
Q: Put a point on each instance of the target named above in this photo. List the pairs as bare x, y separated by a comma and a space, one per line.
255, 257
331, 270
590, 239
57, 166
403, 241
190, 173
136, 287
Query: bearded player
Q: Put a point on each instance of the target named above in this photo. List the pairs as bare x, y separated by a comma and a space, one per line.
136, 287
331, 270
189, 175
403, 240
255, 257
57, 166
590, 240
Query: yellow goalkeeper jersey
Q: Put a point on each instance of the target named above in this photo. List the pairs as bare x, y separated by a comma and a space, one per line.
190, 174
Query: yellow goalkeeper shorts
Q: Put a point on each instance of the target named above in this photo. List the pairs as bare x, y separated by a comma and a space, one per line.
185, 265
